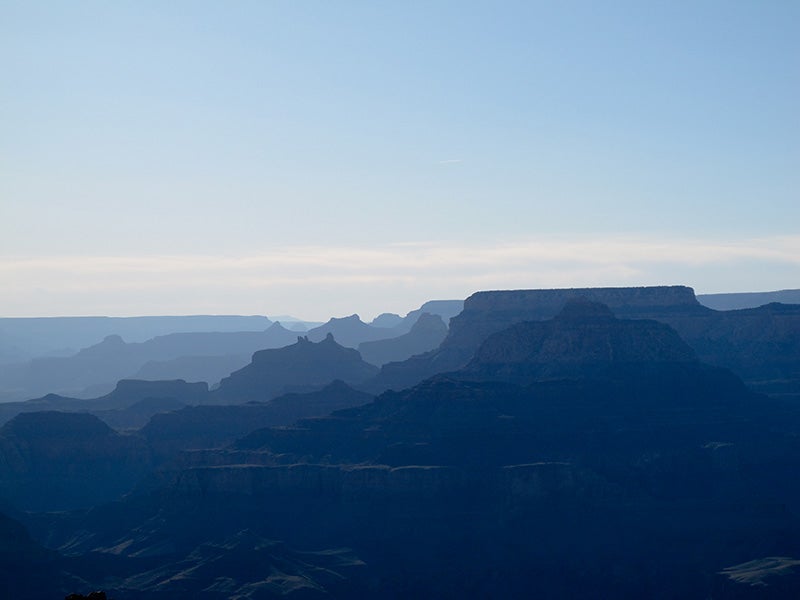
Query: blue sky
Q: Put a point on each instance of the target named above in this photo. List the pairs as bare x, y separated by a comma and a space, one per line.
324, 158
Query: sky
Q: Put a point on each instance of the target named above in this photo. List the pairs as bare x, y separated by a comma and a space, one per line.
322, 158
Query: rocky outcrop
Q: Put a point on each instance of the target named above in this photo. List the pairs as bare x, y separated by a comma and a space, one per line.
303, 366
426, 334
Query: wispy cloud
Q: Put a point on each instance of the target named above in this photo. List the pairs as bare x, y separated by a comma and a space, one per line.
389, 277
451, 161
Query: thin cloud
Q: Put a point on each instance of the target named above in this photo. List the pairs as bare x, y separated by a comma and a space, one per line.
451, 161
289, 279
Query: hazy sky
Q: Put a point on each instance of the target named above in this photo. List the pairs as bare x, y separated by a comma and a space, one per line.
323, 158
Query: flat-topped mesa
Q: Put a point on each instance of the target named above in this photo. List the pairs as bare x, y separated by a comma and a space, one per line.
550, 301
488, 312
584, 339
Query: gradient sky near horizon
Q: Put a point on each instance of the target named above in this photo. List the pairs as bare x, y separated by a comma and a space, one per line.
321, 158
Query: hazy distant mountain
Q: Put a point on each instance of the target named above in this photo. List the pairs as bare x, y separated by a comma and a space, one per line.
210, 369
446, 309
426, 334
22, 339
748, 299
303, 366
131, 402
114, 359
351, 331
293, 323
386, 320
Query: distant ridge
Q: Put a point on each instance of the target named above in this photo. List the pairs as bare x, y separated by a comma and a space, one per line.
426, 334
23, 338
740, 300
351, 331
114, 359
301, 367
144, 397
